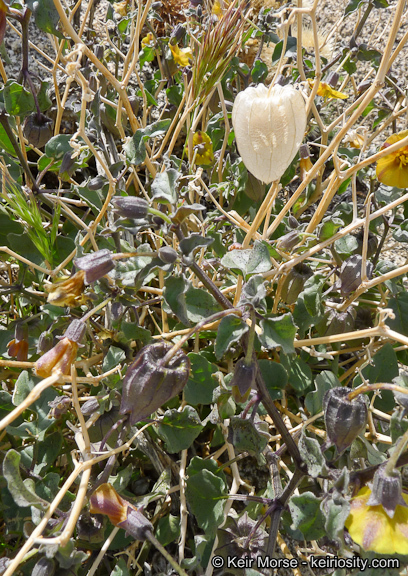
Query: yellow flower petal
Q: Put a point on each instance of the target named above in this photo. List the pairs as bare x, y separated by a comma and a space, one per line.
181, 55
326, 91
219, 6
147, 40
392, 169
374, 530
204, 149
121, 8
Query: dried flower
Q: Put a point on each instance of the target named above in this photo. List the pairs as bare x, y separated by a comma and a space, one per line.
269, 126
392, 169
373, 529
61, 356
68, 292
95, 265
105, 500
204, 149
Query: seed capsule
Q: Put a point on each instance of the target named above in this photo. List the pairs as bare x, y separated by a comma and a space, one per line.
344, 419
148, 383
38, 129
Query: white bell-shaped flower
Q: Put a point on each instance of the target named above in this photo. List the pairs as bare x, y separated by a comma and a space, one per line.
269, 127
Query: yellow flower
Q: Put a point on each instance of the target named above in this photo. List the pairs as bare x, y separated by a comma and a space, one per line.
68, 292
148, 40
374, 530
181, 55
392, 169
305, 165
354, 139
204, 149
326, 91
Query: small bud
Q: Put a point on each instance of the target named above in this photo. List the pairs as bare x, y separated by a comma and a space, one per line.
292, 222
244, 376
45, 342
345, 419
167, 255
387, 490
59, 406
38, 129
95, 265
289, 240
75, 331
177, 34
131, 207
148, 383
295, 281
333, 79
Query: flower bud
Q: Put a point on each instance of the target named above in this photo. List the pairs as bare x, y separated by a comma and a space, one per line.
294, 282
37, 129
387, 490
289, 240
95, 265
333, 79
345, 419
59, 406
244, 376
131, 207
45, 342
148, 383
335, 322
177, 34
167, 255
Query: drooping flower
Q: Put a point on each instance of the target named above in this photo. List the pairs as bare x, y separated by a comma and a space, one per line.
18, 347
204, 149
148, 40
181, 55
61, 356
392, 169
95, 265
373, 529
105, 500
68, 292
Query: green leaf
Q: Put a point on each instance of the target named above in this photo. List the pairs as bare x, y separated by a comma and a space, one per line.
200, 304
5, 143
307, 516
352, 6
168, 529
58, 146
259, 71
253, 261
275, 377
44, 100
246, 437
114, 357
230, 330
121, 568
398, 424
323, 382
312, 294
290, 51
47, 452
22, 492
299, 373
46, 16
383, 368
35, 427
254, 292
179, 429
175, 288
205, 490
278, 332
164, 186
200, 386
189, 244
336, 512
17, 100
133, 331
399, 305
311, 454
135, 149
